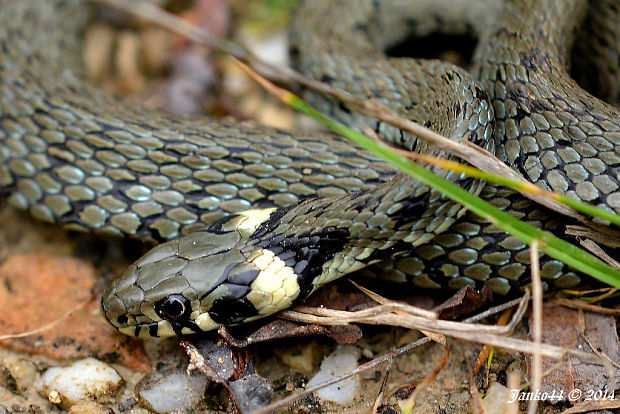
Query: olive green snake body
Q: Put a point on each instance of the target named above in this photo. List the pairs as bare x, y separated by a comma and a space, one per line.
71, 154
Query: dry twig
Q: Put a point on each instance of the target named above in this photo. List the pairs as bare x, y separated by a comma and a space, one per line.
536, 332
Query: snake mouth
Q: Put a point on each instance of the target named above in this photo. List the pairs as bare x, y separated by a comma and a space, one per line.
132, 326
160, 329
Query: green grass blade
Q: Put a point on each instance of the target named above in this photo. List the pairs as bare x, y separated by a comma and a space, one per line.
553, 246
577, 205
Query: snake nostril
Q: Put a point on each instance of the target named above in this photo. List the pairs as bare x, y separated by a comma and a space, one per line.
122, 319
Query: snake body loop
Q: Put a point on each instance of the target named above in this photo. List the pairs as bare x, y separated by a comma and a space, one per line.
258, 218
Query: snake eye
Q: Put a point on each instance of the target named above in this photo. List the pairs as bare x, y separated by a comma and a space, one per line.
173, 308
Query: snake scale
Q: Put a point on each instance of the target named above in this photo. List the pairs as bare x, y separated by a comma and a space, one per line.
258, 218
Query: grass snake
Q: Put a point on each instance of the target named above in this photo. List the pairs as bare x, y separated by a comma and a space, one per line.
258, 218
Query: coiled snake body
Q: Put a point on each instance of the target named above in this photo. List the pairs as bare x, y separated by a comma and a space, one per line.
267, 216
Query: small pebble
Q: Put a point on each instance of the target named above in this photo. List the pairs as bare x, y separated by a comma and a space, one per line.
97, 51
496, 397
340, 362
18, 374
253, 392
84, 380
192, 78
170, 390
127, 404
367, 353
273, 49
88, 407
218, 356
301, 358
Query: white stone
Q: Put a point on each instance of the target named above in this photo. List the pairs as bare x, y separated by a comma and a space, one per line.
340, 362
87, 379
496, 398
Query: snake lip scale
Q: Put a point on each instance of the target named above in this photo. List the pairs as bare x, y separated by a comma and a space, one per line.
253, 219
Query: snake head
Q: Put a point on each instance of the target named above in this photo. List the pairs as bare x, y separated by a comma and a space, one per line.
200, 282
